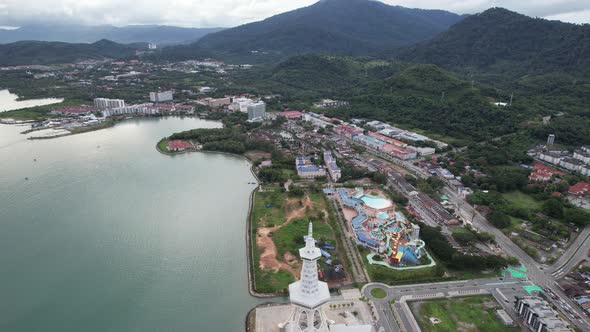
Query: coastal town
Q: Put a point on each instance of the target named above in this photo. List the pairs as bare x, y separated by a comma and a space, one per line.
376, 193
389, 205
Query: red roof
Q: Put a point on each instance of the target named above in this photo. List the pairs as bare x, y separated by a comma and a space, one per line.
291, 114
388, 139
546, 169
580, 188
180, 145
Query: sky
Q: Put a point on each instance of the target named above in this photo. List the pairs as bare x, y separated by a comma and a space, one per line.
229, 13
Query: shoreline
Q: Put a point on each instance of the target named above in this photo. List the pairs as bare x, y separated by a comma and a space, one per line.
250, 266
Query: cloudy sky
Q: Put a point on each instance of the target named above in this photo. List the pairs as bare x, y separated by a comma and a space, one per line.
227, 13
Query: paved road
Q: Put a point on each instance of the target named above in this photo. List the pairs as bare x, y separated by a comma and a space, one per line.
577, 252
535, 273
509, 288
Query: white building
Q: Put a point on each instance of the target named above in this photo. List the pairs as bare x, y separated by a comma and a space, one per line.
205, 89
144, 109
333, 169
241, 104
257, 111
161, 96
105, 103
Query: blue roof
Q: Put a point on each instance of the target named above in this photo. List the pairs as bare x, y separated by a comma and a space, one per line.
308, 169
364, 238
358, 220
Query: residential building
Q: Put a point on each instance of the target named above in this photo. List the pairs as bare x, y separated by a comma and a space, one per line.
552, 157
583, 156
580, 189
143, 109
538, 316
333, 169
257, 111
550, 140
205, 89
161, 96
105, 103
571, 164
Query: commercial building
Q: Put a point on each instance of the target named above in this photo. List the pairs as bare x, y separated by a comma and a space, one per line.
538, 316
161, 96
256, 111
241, 104
307, 169
105, 103
215, 102
333, 169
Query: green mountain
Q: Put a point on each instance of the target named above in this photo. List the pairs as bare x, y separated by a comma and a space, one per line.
507, 44
346, 27
42, 53
419, 96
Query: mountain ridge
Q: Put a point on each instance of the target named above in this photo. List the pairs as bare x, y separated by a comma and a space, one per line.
160, 34
347, 27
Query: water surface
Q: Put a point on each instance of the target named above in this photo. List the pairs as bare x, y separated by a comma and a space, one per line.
9, 101
106, 234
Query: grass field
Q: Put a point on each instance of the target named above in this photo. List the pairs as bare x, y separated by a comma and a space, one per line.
475, 313
522, 200
271, 209
379, 293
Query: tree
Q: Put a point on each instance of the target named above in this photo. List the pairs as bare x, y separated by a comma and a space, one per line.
553, 208
577, 217
499, 219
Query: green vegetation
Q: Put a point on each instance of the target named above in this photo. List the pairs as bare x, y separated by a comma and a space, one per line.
475, 313
289, 217
163, 145
40, 52
290, 237
378, 293
521, 200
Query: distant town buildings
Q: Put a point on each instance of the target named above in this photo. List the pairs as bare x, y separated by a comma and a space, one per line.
579, 161
256, 111
161, 96
329, 103
307, 169
333, 169
104, 103
538, 316
152, 46
240, 104
215, 102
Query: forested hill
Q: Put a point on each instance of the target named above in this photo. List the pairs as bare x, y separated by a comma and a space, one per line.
418, 96
345, 27
42, 53
507, 43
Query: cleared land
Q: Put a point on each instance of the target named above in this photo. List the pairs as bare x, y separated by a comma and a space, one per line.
279, 223
522, 200
468, 314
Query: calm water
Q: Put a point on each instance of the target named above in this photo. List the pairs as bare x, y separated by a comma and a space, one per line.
9, 102
109, 235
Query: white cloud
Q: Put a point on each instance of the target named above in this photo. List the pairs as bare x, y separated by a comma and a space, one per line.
227, 13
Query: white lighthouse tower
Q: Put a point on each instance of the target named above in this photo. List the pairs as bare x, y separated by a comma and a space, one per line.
308, 294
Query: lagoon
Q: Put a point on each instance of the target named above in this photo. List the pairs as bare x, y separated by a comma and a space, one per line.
100, 232
9, 101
